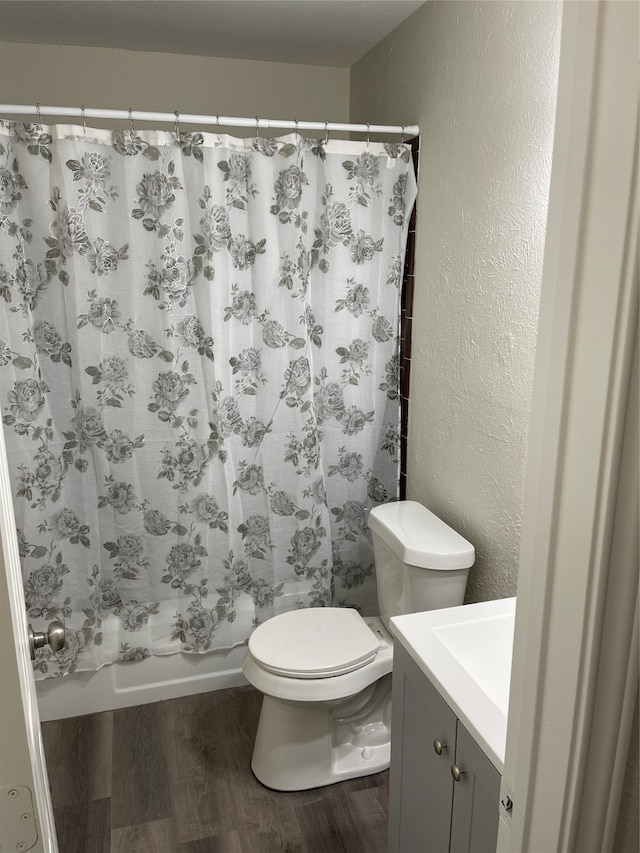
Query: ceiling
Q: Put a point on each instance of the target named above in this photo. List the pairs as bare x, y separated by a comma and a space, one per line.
311, 32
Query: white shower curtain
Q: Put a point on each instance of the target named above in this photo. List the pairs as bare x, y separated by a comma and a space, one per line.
199, 365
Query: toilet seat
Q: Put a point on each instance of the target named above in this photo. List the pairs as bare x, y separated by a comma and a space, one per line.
314, 690
314, 643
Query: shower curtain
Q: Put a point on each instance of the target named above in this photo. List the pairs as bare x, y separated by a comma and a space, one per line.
199, 367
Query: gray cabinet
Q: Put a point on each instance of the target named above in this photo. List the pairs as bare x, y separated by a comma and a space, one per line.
429, 812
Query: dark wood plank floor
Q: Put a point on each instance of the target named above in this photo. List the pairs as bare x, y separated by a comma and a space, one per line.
175, 777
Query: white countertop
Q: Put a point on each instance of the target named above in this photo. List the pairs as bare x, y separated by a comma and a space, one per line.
466, 653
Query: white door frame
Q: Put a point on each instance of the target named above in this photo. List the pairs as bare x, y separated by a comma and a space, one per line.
22, 759
575, 498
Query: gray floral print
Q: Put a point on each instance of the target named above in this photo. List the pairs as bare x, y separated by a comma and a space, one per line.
199, 378
288, 193
68, 232
93, 171
363, 247
364, 172
10, 193
397, 208
243, 252
237, 175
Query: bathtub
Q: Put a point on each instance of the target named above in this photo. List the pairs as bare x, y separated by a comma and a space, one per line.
120, 685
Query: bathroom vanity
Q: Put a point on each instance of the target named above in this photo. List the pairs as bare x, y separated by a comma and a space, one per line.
451, 677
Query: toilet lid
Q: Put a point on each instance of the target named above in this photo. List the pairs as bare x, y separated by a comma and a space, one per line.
315, 642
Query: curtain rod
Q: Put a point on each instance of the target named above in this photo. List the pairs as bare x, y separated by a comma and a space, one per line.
190, 118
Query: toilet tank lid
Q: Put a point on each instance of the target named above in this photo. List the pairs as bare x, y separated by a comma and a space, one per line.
420, 538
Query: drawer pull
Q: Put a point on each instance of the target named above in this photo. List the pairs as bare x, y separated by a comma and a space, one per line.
456, 773
439, 746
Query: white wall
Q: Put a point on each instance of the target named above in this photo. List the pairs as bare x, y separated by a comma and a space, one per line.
63, 75
481, 80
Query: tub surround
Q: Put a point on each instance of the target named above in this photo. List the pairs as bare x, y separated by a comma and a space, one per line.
123, 685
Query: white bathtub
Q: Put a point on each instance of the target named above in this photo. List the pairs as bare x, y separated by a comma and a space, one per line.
120, 685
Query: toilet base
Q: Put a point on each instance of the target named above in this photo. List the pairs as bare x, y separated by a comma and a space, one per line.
311, 744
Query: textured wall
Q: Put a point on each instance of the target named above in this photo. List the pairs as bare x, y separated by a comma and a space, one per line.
481, 79
116, 79
628, 827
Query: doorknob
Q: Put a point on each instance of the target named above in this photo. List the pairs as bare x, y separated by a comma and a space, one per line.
54, 636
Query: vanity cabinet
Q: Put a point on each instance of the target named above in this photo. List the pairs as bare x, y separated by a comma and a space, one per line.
429, 812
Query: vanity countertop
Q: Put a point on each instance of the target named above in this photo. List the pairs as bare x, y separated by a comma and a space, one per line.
466, 653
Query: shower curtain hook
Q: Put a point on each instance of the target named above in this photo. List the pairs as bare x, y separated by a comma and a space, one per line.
295, 125
133, 127
257, 126
177, 125
326, 133
368, 133
402, 134
218, 125
39, 116
84, 124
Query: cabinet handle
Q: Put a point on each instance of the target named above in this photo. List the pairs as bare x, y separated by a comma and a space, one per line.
439, 746
456, 773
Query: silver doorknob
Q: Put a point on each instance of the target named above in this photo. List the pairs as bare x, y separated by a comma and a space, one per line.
439, 746
54, 636
456, 772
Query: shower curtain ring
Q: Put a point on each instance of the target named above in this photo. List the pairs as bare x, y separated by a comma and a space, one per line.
218, 125
257, 126
39, 116
368, 133
177, 125
133, 127
402, 134
84, 124
326, 133
295, 125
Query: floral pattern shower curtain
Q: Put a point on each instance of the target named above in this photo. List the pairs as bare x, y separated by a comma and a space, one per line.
199, 368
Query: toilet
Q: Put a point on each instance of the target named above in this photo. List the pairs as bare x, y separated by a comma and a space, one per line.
325, 672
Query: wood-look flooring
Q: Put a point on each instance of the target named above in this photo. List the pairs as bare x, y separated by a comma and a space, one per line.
175, 777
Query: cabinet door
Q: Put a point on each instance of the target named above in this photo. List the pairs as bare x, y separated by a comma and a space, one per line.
421, 785
476, 797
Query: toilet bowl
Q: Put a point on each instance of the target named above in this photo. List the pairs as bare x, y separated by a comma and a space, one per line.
325, 673
328, 722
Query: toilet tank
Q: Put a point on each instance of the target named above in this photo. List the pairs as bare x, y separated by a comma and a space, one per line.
421, 563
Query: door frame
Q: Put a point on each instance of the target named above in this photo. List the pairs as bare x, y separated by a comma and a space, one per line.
579, 541
23, 756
